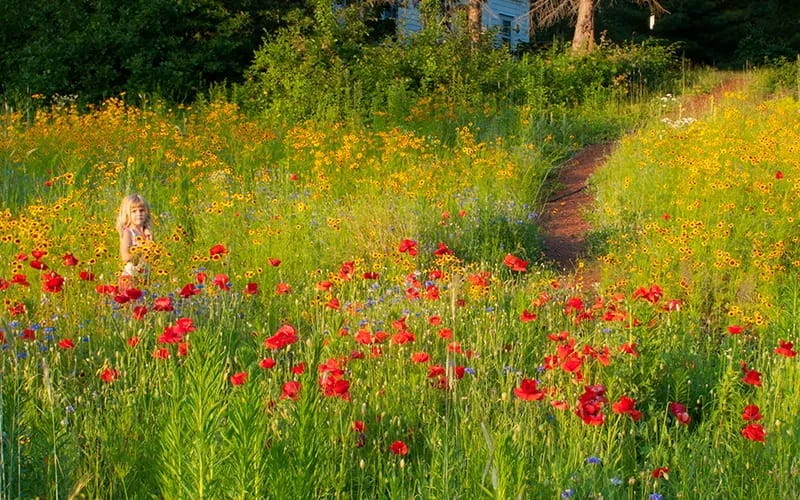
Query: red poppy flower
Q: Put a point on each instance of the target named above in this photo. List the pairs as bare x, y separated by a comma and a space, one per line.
573, 305
528, 390
324, 286
527, 316
200, 277
109, 375
283, 289
778, 174
515, 263
291, 390
160, 353
626, 405
266, 363
251, 289
188, 290
284, 336
28, 334
403, 337
562, 336
52, 282
86, 275
786, 348
370, 275
399, 448
17, 308
420, 357
446, 333
38, 265
185, 325
751, 412
590, 405
334, 386
442, 250
299, 368
66, 344
106, 289
680, 413
183, 349
222, 281
661, 472
752, 377
238, 378
347, 269
652, 295
133, 341
333, 303
480, 280
735, 329
408, 246
139, 312
754, 432
435, 320
629, 348
69, 260
274, 262
20, 279
359, 426
217, 251
38, 254
170, 335
163, 304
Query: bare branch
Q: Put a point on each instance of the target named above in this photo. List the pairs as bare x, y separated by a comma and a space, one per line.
546, 13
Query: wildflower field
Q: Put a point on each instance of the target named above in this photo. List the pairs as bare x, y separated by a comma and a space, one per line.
349, 312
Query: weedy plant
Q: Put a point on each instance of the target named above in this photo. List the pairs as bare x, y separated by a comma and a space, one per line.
340, 310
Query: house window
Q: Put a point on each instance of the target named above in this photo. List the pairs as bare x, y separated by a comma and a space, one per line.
505, 28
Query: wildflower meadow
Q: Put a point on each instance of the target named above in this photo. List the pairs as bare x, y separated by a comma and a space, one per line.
342, 311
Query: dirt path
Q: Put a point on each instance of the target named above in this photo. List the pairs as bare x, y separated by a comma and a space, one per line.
564, 226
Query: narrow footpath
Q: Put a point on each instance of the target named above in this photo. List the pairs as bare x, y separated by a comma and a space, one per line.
564, 226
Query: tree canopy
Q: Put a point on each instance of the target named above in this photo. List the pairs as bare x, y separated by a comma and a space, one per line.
179, 49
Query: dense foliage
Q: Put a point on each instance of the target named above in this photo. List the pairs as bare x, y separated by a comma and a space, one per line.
335, 310
99, 49
179, 50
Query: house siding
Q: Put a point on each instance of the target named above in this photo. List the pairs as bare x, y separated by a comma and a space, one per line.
495, 13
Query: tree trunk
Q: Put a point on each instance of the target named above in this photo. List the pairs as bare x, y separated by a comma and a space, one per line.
474, 13
583, 40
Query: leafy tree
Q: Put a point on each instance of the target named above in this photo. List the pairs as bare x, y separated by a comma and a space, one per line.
96, 49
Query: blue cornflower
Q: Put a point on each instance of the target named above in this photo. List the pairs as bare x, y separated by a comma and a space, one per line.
656, 496
616, 481
594, 460
568, 493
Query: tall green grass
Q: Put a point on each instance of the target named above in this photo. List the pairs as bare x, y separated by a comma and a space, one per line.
410, 366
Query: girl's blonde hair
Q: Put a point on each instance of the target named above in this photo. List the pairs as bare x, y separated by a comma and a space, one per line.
124, 215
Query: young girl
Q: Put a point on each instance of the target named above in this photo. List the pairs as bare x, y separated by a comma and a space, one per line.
133, 224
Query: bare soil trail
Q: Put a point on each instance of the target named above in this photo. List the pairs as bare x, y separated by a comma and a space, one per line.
564, 227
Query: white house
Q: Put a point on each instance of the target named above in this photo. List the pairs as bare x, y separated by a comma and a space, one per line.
510, 18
